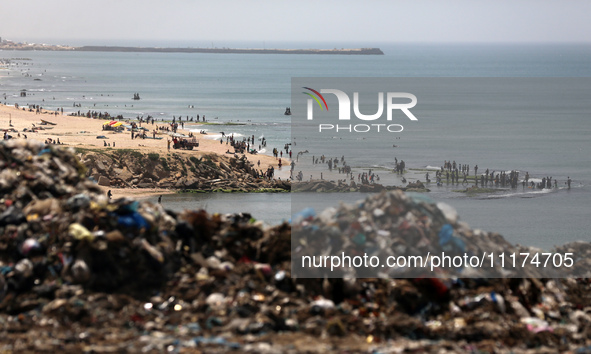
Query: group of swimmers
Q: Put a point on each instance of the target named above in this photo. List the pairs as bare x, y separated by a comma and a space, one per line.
399, 166
96, 115
502, 179
367, 177
545, 183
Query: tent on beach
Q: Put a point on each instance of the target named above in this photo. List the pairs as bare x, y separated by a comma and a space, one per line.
112, 125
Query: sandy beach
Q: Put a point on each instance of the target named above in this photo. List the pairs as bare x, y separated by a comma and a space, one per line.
137, 193
82, 132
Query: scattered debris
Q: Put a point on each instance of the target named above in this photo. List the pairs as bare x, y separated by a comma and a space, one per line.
82, 273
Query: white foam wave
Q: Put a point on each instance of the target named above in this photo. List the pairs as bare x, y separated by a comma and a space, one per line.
519, 194
215, 136
211, 136
535, 180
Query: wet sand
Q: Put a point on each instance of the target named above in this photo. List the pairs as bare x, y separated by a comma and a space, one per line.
137, 193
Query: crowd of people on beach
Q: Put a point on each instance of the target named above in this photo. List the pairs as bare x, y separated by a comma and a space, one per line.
450, 172
331, 164
137, 131
338, 164
246, 145
497, 179
367, 177
39, 109
96, 115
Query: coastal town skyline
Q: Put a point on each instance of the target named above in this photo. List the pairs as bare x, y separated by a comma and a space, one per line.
202, 24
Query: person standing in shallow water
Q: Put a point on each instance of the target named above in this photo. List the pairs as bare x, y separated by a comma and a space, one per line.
109, 194
160, 199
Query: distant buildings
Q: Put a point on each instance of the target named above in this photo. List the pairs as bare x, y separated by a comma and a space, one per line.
10, 45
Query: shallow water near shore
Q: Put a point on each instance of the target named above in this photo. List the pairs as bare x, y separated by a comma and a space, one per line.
255, 89
523, 220
271, 208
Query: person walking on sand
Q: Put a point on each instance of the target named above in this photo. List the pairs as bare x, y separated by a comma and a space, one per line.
168, 144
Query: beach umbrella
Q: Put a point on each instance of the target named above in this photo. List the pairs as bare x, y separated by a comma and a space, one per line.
117, 124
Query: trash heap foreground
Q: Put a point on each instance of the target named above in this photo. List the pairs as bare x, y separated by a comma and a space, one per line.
80, 272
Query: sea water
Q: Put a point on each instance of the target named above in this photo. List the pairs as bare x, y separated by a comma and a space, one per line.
251, 92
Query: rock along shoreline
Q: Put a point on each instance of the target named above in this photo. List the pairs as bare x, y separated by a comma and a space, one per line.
128, 168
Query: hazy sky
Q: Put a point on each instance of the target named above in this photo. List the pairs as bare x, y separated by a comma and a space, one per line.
107, 21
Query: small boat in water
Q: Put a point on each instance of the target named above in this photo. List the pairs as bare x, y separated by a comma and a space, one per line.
287, 111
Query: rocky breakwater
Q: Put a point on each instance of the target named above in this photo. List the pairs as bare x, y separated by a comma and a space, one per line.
81, 273
206, 173
320, 186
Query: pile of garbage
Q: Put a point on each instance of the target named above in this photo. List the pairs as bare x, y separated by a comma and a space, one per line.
416, 237
82, 273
